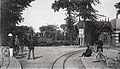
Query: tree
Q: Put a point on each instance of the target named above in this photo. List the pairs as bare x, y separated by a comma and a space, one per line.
48, 30
11, 11
63, 26
22, 31
68, 5
117, 6
42, 29
83, 8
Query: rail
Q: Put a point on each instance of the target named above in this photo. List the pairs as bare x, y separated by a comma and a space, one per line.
64, 57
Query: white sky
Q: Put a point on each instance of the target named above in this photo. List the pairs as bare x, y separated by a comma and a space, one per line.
41, 13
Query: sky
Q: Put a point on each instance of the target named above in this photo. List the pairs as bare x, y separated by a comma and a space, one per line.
41, 13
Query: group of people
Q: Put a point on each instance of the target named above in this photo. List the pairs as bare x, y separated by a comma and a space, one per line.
88, 51
30, 41
17, 45
14, 45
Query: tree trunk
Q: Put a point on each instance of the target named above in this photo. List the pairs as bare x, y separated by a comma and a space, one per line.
69, 10
84, 21
70, 33
0, 24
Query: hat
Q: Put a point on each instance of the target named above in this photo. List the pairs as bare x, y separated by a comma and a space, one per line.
10, 34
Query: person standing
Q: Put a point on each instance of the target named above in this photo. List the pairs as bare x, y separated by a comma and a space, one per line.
100, 45
11, 45
31, 47
17, 42
22, 45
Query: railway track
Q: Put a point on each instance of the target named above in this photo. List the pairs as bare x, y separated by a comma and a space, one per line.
54, 58
1, 62
60, 62
5, 61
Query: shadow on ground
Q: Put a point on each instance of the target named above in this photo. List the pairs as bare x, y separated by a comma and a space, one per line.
21, 56
38, 57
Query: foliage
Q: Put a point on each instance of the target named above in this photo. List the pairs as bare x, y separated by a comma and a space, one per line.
11, 11
49, 30
63, 26
76, 8
70, 21
23, 30
83, 7
117, 6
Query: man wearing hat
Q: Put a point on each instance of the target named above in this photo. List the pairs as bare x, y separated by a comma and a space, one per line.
11, 44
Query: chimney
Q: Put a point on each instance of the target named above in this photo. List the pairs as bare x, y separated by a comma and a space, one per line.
108, 19
116, 16
105, 18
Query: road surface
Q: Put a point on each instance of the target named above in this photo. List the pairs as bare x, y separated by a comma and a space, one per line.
54, 58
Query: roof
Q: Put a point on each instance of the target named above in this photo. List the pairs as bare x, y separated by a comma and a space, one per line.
98, 25
102, 25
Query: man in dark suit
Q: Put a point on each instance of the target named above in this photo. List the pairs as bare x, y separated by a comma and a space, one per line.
31, 46
100, 45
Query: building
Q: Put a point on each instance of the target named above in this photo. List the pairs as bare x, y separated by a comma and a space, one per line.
104, 31
86, 35
116, 35
96, 30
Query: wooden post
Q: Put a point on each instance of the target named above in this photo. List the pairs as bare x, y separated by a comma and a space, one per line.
80, 41
83, 40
